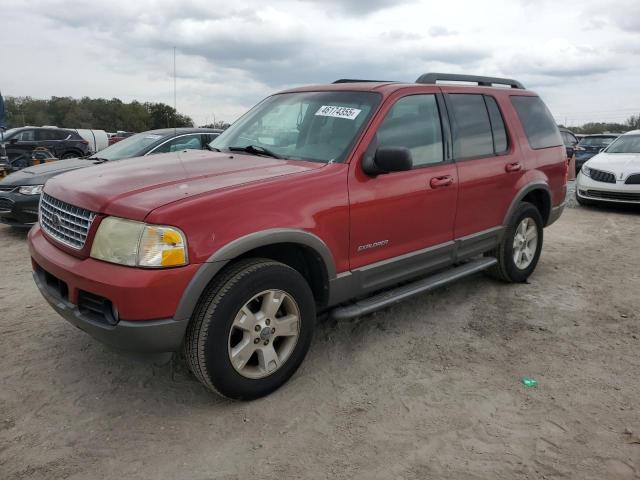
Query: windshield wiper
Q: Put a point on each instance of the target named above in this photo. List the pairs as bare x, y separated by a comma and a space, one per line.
98, 159
256, 150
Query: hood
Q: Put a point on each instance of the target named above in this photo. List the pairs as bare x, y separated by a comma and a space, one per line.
38, 174
135, 188
616, 163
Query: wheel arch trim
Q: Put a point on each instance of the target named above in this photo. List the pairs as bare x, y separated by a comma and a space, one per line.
242, 245
523, 192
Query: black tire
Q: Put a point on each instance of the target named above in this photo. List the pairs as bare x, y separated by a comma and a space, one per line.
66, 155
506, 269
207, 338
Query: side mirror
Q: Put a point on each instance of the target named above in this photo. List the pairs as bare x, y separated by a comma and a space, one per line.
387, 160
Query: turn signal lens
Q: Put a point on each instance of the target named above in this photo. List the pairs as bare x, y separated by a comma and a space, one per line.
162, 247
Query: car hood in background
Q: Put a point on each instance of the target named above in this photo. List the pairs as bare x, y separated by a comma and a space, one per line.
38, 174
616, 163
133, 189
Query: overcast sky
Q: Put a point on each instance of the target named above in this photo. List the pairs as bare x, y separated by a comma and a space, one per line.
582, 57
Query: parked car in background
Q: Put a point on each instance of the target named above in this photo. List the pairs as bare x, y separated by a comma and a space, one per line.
61, 142
20, 191
570, 141
590, 145
342, 198
612, 175
119, 136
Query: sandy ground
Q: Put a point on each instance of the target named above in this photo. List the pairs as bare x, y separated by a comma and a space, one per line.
427, 389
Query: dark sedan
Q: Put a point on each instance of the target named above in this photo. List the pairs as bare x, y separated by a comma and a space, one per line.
20, 191
590, 145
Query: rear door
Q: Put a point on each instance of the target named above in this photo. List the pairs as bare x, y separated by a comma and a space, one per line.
396, 216
489, 163
52, 140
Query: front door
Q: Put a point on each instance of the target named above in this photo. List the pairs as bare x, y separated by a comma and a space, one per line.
402, 222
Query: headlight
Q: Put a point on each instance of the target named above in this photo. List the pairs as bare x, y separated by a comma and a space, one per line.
31, 189
585, 171
137, 244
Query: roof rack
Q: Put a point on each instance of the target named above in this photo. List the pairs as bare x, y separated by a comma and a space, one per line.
355, 80
432, 78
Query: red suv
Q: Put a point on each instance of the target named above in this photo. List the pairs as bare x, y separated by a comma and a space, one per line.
341, 198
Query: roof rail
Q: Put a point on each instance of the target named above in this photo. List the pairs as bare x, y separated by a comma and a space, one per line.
355, 80
433, 78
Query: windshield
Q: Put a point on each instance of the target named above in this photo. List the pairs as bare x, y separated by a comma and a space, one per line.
625, 144
129, 147
596, 141
7, 134
317, 126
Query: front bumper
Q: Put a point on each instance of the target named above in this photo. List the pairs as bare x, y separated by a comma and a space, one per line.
18, 210
129, 309
618, 192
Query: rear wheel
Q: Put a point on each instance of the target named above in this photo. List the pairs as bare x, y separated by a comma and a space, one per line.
251, 330
520, 248
71, 155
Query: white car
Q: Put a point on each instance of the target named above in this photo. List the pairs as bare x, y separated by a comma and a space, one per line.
613, 175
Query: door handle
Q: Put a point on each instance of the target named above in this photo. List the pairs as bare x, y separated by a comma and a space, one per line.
513, 167
443, 181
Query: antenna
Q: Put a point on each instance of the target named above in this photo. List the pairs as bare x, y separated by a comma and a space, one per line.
175, 108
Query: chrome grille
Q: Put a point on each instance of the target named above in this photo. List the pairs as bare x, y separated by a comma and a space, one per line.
621, 196
64, 222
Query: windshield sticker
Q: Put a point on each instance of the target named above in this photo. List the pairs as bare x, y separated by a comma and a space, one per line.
338, 112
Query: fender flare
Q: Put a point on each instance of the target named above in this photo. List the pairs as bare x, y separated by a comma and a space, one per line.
216, 262
528, 188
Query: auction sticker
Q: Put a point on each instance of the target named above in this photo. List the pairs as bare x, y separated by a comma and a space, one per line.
338, 112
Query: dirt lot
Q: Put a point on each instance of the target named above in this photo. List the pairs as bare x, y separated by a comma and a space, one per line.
427, 389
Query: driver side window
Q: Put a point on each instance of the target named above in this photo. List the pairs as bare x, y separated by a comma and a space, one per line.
26, 136
414, 123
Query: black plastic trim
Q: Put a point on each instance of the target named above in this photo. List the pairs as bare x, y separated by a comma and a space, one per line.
398, 294
433, 78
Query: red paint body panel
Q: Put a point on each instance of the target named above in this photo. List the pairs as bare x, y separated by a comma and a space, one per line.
216, 198
400, 208
139, 294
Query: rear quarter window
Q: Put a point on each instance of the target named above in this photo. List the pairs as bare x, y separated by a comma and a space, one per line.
538, 123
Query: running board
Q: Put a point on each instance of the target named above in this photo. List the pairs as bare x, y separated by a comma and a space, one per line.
395, 295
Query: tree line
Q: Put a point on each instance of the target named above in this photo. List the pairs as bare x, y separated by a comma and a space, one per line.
96, 113
632, 123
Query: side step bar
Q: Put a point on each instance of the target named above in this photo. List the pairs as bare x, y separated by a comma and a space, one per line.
395, 295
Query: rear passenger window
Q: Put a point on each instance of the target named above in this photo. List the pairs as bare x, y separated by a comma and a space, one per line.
537, 121
414, 122
500, 143
472, 133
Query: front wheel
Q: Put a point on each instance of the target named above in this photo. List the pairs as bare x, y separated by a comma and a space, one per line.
251, 330
520, 248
